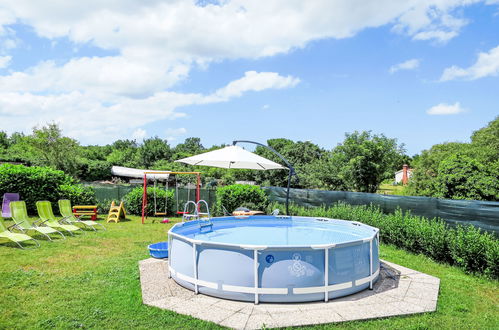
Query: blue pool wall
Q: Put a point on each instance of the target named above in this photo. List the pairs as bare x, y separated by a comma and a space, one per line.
286, 267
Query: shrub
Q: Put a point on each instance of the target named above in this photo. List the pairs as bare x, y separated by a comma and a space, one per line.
104, 205
41, 183
77, 194
133, 201
240, 195
468, 247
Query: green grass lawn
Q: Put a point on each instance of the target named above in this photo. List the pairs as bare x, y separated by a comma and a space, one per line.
389, 189
92, 281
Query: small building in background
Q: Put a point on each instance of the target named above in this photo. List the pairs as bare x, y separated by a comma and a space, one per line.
403, 175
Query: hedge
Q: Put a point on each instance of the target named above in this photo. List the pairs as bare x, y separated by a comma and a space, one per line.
240, 195
133, 201
42, 183
467, 247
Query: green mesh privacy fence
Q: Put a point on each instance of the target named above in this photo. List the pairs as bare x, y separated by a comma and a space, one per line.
481, 214
107, 192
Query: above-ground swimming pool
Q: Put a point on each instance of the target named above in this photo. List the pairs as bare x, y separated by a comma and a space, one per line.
274, 258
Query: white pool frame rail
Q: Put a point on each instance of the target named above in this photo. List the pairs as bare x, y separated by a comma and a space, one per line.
256, 290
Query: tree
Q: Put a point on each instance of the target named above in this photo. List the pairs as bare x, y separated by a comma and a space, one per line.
16, 137
299, 154
4, 140
124, 144
460, 170
95, 152
152, 150
364, 160
123, 157
426, 167
52, 149
324, 173
191, 146
488, 136
463, 177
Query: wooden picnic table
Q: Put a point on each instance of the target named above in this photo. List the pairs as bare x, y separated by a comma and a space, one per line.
85, 210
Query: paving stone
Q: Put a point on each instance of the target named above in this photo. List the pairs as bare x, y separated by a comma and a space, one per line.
398, 291
274, 308
423, 278
169, 303
431, 306
409, 308
212, 314
307, 318
258, 321
352, 312
248, 310
236, 321
205, 300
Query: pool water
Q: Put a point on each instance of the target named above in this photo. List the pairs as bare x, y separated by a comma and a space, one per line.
296, 234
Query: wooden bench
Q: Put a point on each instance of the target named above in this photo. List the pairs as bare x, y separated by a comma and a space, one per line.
85, 210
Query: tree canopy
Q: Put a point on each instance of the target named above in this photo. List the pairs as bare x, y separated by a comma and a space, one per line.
359, 163
460, 170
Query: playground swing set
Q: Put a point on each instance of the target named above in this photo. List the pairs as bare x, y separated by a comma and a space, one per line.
185, 212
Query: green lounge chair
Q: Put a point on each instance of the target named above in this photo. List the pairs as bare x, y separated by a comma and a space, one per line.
20, 216
15, 237
47, 217
69, 218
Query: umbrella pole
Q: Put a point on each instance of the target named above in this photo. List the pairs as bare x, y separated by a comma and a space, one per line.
290, 167
287, 193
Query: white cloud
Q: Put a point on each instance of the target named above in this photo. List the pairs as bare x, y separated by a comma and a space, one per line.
265, 107
176, 131
487, 64
98, 99
439, 35
185, 31
103, 76
433, 20
173, 133
255, 81
139, 134
102, 119
407, 65
5, 61
446, 109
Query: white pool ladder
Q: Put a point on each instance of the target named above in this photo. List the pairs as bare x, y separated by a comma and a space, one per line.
186, 216
204, 218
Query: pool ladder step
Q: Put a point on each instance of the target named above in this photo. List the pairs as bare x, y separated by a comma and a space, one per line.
204, 218
207, 225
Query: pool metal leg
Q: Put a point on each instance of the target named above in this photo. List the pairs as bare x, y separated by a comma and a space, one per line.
169, 256
371, 263
195, 263
255, 269
326, 274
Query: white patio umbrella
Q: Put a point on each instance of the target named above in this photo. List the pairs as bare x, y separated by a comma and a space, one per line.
236, 157
232, 157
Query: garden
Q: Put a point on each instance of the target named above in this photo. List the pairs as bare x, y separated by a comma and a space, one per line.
91, 280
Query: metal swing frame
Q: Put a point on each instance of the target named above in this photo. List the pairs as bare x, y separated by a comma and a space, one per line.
144, 193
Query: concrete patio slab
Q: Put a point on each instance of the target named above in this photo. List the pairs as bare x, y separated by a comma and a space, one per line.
399, 291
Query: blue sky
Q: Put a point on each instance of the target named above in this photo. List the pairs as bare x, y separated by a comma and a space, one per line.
422, 72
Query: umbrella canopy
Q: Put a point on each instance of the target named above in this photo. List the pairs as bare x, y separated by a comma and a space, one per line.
232, 157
